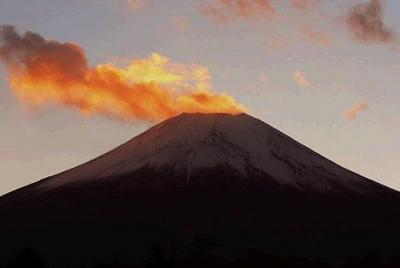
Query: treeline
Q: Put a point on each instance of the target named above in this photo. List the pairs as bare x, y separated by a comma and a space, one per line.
157, 258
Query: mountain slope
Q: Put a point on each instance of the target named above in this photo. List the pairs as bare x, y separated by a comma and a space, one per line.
241, 143
231, 178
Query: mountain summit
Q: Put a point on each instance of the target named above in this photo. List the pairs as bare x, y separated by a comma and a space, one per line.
240, 145
232, 179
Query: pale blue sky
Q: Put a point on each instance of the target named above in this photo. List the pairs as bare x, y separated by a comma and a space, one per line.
39, 144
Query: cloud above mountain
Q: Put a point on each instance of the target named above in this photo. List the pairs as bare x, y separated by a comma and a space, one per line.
51, 72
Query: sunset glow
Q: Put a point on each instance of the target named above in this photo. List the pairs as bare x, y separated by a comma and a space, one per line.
151, 89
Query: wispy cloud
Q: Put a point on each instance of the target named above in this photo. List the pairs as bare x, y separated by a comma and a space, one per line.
228, 10
137, 5
264, 78
364, 20
317, 37
276, 40
225, 11
300, 79
366, 23
305, 4
180, 23
353, 112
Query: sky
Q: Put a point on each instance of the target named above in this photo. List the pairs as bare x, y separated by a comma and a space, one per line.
323, 72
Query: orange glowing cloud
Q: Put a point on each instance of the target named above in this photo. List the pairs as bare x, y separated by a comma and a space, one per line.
300, 79
136, 5
180, 23
316, 37
305, 4
155, 88
226, 10
353, 112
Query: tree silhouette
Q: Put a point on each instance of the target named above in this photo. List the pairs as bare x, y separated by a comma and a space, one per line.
394, 263
371, 260
259, 260
203, 247
112, 265
27, 258
297, 262
156, 258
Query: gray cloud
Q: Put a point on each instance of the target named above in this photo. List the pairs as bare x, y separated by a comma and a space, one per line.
26, 52
366, 23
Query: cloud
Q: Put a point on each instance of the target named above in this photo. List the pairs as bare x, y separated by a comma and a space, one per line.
299, 78
32, 54
264, 78
366, 23
50, 72
137, 5
305, 4
353, 112
277, 40
227, 10
180, 23
317, 37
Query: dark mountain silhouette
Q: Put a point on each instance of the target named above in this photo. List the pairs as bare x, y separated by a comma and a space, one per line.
198, 183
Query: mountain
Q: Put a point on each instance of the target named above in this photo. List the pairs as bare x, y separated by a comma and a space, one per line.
232, 179
241, 145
